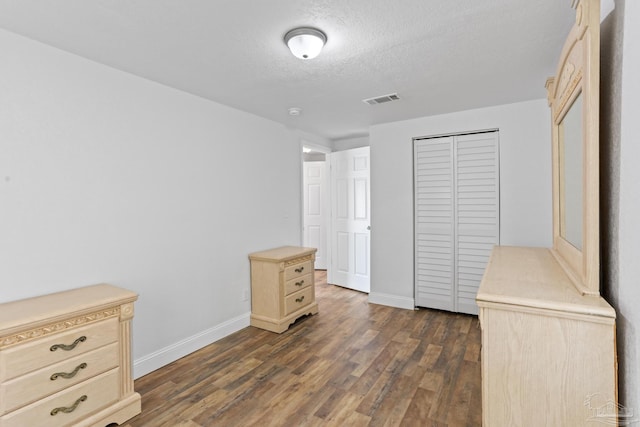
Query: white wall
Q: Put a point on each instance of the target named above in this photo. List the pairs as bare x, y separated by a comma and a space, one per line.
525, 187
349, 143
620, 194
106, 177
628, 296
315, 141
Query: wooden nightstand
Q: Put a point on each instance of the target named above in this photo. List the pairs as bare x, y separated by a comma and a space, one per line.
282, 287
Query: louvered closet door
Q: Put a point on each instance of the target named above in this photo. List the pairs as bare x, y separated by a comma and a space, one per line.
457, 218
434, 223
477, 213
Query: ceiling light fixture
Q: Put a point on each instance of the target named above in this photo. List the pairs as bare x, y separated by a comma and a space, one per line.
295, 111
305, 43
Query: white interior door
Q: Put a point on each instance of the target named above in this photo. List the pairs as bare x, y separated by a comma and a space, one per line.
350, 219
315, 207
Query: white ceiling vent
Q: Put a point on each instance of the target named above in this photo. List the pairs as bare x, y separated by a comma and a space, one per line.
381, 99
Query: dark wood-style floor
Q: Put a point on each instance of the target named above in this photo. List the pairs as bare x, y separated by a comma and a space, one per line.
352, 364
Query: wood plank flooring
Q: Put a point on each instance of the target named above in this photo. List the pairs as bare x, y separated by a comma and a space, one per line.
352, 364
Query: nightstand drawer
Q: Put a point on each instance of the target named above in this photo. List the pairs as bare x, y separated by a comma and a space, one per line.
298, 270
23, 358
298, 300
298, 283
79, 401
51, 379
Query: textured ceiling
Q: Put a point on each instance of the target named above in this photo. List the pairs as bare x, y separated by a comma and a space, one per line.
438, 55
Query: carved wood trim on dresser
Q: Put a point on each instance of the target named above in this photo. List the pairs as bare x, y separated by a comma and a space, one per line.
65, 359
548, 337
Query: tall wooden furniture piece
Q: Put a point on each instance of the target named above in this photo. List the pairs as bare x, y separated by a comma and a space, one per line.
548, 351
282, 287
548, 338
65, 359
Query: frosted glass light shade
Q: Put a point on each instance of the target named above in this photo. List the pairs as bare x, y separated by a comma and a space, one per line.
305, 43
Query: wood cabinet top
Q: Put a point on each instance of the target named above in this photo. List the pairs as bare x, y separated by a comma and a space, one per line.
281, 254
532, 278
30, 312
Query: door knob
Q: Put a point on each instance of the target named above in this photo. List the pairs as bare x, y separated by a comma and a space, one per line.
368, 227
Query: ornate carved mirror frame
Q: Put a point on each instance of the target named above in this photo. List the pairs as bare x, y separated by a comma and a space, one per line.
575, 87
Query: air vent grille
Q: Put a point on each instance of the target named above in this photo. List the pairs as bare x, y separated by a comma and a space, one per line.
381, 99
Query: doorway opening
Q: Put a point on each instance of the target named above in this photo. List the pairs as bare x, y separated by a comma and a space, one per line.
315, 202
336, 213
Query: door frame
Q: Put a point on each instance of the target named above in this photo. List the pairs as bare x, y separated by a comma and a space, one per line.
327, 205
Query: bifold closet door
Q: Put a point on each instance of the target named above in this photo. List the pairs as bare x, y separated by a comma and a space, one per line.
434, 233
456, 198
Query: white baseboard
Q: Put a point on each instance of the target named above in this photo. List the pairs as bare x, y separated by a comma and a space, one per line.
173, 352
392, 300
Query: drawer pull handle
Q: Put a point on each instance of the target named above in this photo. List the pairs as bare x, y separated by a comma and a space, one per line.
300, 299
70, 374
299, 270
300, 283
66, 347
71, 408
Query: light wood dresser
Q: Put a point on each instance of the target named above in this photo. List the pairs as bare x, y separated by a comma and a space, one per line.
548, 351
65, 359
282, 287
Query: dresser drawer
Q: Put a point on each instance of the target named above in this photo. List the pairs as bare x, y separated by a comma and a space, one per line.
18, 360
298, 283
43, 382
298, 300
90, 396
298, 270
